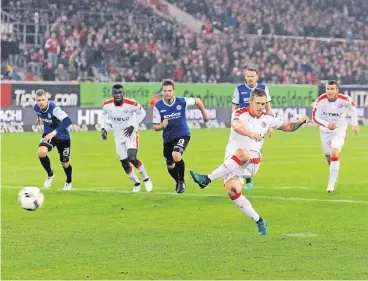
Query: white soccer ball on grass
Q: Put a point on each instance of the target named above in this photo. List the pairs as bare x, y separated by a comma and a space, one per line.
30, 198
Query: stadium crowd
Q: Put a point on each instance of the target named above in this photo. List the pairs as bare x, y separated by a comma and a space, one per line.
315, 18
89, 40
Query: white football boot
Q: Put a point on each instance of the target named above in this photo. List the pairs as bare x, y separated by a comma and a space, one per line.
148, 185
330, 189
136, 187
48, 182
67, 186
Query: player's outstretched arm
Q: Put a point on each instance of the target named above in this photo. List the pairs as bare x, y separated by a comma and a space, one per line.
293, 126
201, 107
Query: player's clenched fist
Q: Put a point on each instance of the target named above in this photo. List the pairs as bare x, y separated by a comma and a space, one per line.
305, 119
355, 130
164, 123
206, 118
104, 134
256, 137
331, 126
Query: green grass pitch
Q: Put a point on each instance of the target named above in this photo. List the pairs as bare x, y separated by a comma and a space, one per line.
102, 231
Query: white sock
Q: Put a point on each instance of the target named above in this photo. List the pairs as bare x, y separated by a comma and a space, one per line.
245, 206
334, 171
133, 176
229, 165
142, 171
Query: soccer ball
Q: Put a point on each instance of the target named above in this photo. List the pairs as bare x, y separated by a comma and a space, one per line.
30, 198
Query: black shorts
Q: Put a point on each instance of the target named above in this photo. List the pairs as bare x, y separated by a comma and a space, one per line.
63, 147
179, 144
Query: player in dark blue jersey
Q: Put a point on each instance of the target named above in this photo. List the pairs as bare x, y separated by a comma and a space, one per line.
169, 115
55, 133
241, 99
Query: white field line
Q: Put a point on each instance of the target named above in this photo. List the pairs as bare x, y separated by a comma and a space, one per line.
116, 190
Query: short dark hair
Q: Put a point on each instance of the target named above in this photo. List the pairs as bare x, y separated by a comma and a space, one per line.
252, 68
333, 82
168, 82
40, 92
117, 86
258, 93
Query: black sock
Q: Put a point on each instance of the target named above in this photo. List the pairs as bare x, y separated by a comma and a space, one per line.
68, 172
329, 163
45, 161
260, 220
174, 174
180, 168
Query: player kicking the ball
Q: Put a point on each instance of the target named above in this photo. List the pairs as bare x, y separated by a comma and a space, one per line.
55, 133
329, 113
125, 115
243, 152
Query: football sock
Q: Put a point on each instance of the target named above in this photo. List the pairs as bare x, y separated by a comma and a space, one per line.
174, 174
180, 168
131, 174
142, 171
229, 165
334, 170
68, 172
45, 161
245, 206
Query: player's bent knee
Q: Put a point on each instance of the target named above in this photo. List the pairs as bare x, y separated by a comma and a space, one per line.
335, 152
170, 166
42, 151
65, 164
125, 164
233, 187
242, 154
176, 156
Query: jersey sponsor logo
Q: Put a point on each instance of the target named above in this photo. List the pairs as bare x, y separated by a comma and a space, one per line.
246, 100
120, 118
332, 114
46, 120
174, 115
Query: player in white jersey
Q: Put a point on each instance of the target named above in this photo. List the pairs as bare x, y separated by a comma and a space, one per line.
124, 116
241, 98
329, 112
243, 152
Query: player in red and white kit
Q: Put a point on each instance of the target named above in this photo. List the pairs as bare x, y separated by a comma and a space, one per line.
329, 113
243, 153
124, 116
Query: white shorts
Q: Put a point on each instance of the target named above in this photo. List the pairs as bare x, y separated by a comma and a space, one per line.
122, 145
332, 140
247, 170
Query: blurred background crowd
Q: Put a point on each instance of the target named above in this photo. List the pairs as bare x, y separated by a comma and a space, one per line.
292, 41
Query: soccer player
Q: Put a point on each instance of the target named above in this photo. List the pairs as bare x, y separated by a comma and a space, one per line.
329, 113
125, 115
169, 115
243, 152
241, 99
55, 133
